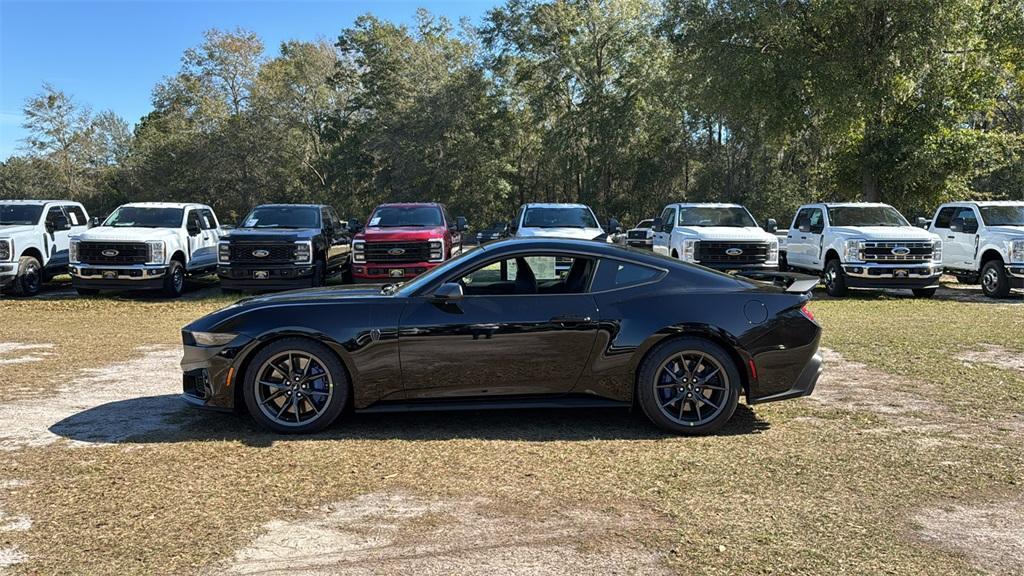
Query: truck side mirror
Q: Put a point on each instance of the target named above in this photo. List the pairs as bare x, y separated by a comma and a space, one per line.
460, 223
957, 225
354, 226
656, 224
95, 221
511, 227
923, 222
771, 226
613, 226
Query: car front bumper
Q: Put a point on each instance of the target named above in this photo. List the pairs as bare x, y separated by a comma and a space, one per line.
726, 267
892, 275
8, 272
640, 242
1015, 274
257, 278
382, 273
209, 373
101, 277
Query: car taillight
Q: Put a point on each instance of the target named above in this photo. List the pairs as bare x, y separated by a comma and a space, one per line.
807, 313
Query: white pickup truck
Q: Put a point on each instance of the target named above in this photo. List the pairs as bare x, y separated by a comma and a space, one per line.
862, 245
541, 220
983, 241
720, 236
34, 241
146, 246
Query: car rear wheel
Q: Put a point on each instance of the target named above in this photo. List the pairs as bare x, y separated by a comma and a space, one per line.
835, 279
295, 386
30, 277
689, 386
994, 282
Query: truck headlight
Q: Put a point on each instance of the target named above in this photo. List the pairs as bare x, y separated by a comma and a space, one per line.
436, 250
359, 251
1017, 251
773, 252
937, 251
156, 251
72, 251
303, 252
212, 338
690, 250
851, 252
224, 252
6, 249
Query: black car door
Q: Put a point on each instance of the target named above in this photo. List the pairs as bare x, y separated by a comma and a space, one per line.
520, 328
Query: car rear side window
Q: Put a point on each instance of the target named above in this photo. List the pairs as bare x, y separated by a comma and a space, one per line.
76, 215
207, 220
612, 274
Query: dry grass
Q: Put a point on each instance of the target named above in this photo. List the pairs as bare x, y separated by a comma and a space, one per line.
800, 487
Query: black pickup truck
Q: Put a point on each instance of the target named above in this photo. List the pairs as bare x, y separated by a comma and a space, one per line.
285, 246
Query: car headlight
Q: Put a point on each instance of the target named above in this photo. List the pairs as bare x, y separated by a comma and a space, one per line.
156, 251
6, 249
224, 253
212, 338
851, 253
359, 251
690, 250
303, 252
1017, 251
72, 252
436, 250
773, 252
937, 251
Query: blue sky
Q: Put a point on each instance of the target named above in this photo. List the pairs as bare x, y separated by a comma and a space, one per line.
109, 55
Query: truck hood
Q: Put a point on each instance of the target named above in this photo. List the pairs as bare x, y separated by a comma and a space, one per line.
15, 230
126, 234
1014, 232
270, 234
400, 234
911, 233
576, 233
726, 233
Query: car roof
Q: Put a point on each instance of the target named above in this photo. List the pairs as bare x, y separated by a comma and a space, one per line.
705, 205
409, 204
33, 202
287, 205
554, 205
165, 205
851, 204
986, 203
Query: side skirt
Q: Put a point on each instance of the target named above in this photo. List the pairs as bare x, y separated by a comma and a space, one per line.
507, 403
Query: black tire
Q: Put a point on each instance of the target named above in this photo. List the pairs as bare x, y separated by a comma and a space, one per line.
319, 275
337, 385
783, 263
835, 279
655, 380
346, 274
994, 282
29, 281
174, 280
86, 291
924, 292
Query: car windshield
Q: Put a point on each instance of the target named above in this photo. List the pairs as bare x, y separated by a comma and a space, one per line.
283, 217
145, 217
559, 217
20, 214
865, 216
705, 216
1003, 215
645, 224
395, 216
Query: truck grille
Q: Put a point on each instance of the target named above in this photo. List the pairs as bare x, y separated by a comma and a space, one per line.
118, 253
397, 252
637, 234
245, 252
909, 252
725, 252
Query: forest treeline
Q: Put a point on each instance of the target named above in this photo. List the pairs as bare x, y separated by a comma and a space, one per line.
621, 104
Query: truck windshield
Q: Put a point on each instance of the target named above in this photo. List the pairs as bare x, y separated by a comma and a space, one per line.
865, 216
396, 216
282, 217
145, 217
1003, 215
645, 224
20, 214
704, 216
559, 217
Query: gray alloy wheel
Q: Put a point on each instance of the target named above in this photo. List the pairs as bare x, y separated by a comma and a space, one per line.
994, 282
295, 386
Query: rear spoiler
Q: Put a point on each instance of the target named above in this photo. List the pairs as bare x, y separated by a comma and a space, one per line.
791, 281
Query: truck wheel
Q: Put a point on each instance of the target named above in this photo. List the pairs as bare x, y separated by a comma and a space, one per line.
174, 280
87, 291
924, 292
835, 279
30, 277
994, 282
319, 275
783, 263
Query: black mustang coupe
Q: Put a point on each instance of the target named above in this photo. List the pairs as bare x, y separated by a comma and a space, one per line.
501, 327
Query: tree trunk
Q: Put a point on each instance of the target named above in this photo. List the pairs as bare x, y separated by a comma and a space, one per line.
869, 184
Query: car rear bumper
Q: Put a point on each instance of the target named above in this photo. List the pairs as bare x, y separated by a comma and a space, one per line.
383, 272
804, 384
272, 278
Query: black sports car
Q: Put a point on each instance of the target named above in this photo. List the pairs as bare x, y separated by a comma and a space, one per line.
499, 327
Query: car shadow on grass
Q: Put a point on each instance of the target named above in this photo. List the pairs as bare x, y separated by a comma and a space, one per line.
172, 422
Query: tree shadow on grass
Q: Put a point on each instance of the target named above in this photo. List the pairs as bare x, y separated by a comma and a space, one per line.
165, 419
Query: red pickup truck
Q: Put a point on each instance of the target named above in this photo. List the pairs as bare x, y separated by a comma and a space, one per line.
401, 241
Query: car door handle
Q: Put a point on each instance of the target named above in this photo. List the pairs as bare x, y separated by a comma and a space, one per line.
803, 237
951, 237
569, 320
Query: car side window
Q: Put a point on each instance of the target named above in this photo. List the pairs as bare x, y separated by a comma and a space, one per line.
207, 221
968, 215
612, 274
193, 219
668, 219
76, 216
52, 214
535, 274
945, 217
817, 220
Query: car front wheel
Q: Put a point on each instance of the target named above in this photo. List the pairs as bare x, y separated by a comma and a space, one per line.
835, 279
295, 386
994, 282
174, 280
688, 386
30, 277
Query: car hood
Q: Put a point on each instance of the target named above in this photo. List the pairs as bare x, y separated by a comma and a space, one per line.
271, 234
726, 233
400, 234
1014, 232
576, 233
15, 229
912, 233
126, 234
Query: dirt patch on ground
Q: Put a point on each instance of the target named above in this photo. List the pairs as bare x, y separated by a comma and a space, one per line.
995, 355
99, 405
10, 555
18, 353
990, 535
395, 533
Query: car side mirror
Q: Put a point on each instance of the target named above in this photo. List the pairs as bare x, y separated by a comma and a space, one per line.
656, 224
923, 222
354, 226
957, 225
460, 223
613, 226
771, 226
95, 221
511, 227
193, 229
448, 292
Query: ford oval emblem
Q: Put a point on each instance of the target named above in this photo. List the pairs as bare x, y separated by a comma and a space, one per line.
260, 253
110, 253
900, 251
734, 251
396, 251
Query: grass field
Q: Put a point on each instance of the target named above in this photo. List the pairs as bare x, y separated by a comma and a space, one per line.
909, 459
